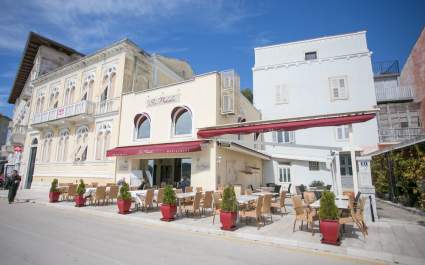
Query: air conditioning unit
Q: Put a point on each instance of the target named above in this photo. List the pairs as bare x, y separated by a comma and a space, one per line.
229, 91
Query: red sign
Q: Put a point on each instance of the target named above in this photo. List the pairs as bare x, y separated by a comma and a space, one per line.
18, 149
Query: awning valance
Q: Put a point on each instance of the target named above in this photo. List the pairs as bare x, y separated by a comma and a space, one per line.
178, 147
286, 125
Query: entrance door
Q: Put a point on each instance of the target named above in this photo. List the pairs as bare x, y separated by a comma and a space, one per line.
31, 163
346, 169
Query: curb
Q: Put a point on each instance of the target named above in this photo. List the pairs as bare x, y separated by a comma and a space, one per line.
337, 251
409, 209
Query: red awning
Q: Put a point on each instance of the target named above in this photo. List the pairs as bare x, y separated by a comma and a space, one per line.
286, 125
179, 147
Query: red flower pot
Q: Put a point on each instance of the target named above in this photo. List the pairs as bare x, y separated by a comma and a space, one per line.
168, 212
228, 220
80, 201
54, 196
124, 206
330, 231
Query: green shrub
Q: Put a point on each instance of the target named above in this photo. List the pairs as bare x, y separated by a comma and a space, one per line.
317, 184
125, 194
328, 209
54, 186
229, 202
81, 189
169, 196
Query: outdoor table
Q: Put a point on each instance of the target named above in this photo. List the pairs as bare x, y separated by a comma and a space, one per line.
262, 193
181, 197
91, 191
340, 203
243, 199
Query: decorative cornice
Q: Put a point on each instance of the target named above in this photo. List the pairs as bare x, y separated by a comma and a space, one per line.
317, 61
87, 61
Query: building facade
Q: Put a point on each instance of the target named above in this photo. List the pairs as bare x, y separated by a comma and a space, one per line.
316, 77
158, 137
399, 114
413, 73
41, 55
75, 111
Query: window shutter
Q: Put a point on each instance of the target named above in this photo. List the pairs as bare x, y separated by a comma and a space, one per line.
292, 137
274, 136
335, 88
229, 87
281, 94
342, 90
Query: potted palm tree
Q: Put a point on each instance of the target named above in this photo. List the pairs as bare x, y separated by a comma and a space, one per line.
54, 191
124, 199
229, 207
328, 214
80, 201
168, 207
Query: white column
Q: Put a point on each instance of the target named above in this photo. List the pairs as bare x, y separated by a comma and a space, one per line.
366, 188
353, 158
338, 174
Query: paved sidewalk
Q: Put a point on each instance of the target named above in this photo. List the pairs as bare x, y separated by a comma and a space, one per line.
389, 240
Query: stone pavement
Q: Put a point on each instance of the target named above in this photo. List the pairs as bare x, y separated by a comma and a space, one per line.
389, 240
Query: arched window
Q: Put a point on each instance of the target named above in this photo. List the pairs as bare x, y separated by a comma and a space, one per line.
182, 121
82, 139
69, 93
47, 146
87, 86
103, 140
108, 83
54, 98
142, 125
62, 154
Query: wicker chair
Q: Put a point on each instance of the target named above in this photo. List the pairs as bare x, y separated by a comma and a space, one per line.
100, 195
267, 210
280, 203
217, 204
113, 193
159, 197
207, 203
255, 213
195, 207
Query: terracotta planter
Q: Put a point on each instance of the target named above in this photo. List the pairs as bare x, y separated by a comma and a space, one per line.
330, 231
54, 196
80, 201
228, 220
124, 206
168, 212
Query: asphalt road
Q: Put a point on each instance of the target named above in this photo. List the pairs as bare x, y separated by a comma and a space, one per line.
38, 234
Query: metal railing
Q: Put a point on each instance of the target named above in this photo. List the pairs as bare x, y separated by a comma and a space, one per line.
107, 106
386, 67
396, 135
393, 93
82, 107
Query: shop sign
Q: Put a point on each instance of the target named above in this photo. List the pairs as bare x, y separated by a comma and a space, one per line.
162, 100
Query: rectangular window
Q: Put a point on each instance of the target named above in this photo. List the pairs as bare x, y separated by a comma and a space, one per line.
346, 167
310, 56
282, 95
313, 165
284, 137
284, 173
342, 133
338, 88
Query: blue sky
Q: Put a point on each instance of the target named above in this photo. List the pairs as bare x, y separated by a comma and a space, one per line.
211, 35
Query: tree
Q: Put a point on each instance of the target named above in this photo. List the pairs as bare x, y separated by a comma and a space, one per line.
248, 94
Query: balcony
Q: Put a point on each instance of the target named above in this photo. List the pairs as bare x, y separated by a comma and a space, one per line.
107, 106
18, 134
393, 93
399, 135
80, 111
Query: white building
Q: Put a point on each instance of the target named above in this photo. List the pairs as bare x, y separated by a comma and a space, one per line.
328, 75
